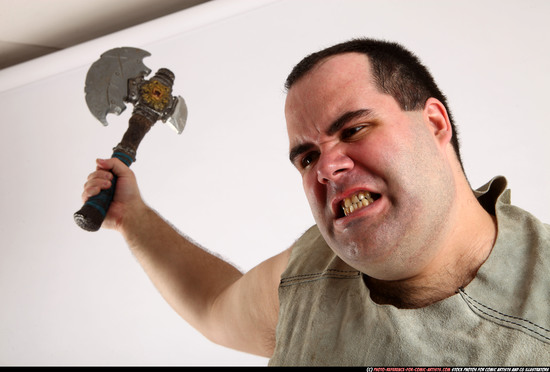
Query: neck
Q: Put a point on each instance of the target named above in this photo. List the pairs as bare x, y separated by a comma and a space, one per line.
463, 253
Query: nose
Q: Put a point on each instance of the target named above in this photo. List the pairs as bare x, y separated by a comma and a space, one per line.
332, 165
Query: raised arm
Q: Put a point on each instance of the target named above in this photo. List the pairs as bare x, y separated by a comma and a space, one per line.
230, 308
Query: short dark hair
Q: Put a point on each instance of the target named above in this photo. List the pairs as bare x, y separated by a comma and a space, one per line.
396, 71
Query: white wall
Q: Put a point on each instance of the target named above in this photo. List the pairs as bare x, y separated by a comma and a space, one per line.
69, 297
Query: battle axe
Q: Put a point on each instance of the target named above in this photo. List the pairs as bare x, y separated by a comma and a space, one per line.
119, 77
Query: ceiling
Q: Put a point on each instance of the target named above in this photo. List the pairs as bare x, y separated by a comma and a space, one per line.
33, 28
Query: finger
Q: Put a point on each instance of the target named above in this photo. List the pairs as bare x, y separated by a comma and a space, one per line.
93, 187
102, 183
100, 174
104, 164
114, 165
89, 192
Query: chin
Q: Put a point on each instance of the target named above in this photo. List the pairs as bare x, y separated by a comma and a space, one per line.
361, 257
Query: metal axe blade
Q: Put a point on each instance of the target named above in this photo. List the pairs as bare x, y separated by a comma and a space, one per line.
178, 118
107, 80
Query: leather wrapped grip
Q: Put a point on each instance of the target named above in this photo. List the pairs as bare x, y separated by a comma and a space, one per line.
90, 217
93, 212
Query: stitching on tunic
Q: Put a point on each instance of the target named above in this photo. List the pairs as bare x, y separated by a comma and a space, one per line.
330, 273
355, 272
471, 301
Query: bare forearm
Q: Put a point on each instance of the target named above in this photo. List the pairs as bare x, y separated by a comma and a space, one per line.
188, 277
202, 288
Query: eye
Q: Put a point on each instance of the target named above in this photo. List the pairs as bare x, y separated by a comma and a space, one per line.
308, 159
353, 133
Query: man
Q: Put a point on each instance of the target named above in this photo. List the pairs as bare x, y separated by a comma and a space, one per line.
406, 264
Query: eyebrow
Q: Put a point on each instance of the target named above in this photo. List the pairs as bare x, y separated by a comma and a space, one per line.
298, 150
333, 129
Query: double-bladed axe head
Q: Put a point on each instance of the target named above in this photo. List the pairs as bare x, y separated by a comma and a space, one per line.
114, 79
119, 77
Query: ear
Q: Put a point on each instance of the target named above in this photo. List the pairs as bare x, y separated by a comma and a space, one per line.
437, 119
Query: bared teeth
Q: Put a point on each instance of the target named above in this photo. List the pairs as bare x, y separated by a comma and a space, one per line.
357, 201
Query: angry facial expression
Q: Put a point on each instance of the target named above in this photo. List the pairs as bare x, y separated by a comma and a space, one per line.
376, 177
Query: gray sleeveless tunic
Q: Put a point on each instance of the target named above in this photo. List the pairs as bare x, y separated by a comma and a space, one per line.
501, 318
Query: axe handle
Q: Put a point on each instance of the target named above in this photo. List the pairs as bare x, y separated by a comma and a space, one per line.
93, 212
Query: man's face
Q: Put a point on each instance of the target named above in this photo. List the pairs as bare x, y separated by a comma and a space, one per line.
376, 177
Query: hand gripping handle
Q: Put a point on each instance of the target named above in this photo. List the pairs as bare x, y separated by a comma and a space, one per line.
93, 212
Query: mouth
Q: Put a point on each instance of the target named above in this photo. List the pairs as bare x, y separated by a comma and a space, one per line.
356, 202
